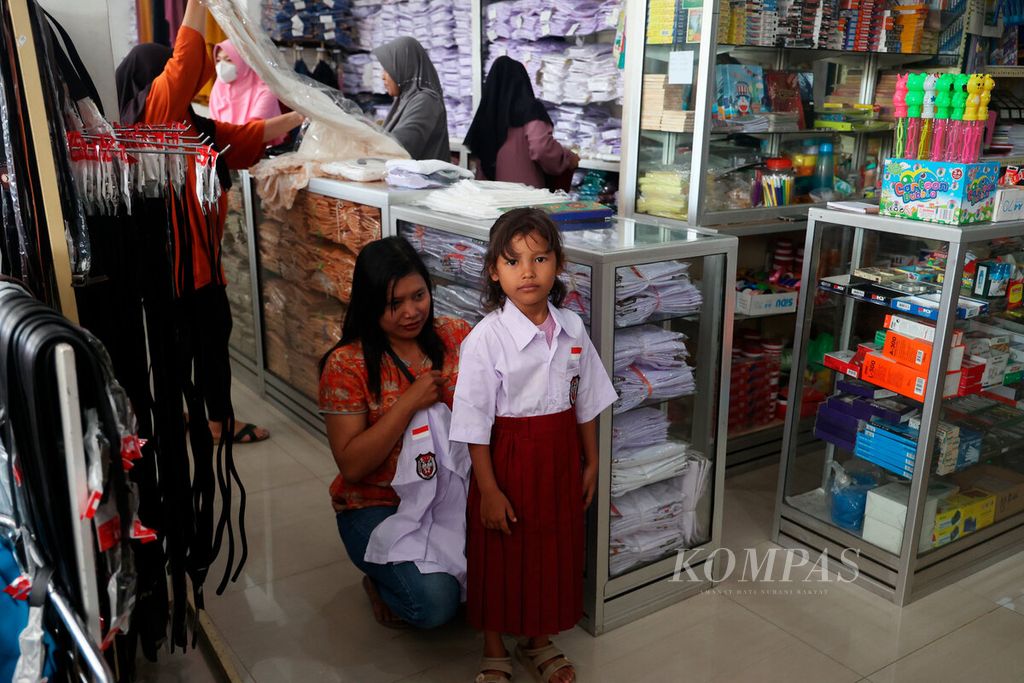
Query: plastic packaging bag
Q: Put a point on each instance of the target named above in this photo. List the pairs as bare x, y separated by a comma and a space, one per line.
849, 492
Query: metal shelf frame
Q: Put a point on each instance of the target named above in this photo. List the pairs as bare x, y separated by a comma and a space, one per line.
910, 575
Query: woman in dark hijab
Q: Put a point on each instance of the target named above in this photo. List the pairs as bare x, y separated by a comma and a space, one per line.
512, 135
417, 118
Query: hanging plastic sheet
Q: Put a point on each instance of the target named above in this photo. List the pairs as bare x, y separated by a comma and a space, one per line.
338, 129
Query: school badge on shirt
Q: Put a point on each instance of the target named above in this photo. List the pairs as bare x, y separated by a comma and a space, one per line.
426, 466
574, 387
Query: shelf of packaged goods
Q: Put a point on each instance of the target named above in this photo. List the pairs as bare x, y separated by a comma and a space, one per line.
803, 133
821, 54
1004, 71
591, 164
895, 295
1005, 159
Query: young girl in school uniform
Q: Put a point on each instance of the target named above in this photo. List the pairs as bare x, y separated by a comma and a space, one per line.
530, 388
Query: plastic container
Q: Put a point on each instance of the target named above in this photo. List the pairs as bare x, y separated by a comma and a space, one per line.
824, 169
777, 182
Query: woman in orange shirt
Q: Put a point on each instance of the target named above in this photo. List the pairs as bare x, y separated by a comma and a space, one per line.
155, 87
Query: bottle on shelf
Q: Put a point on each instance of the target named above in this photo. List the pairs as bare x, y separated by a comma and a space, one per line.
924, 146
899, 103
915, 99
824, 169
943, 104
956, 126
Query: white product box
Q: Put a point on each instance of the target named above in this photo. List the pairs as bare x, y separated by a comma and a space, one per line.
886, 514
750, 303
1009, 204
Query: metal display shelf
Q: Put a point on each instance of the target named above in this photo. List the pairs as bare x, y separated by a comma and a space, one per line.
802, 518
611, 600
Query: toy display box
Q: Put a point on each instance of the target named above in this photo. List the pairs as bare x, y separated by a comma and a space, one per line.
939, 192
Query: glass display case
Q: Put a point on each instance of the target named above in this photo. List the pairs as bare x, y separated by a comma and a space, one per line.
743, 117
656, 302
919, 468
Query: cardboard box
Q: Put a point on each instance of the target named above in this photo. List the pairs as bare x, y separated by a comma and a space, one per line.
886, 508
939, 192
963, 514
842, 362
905, 381
1009, 204
1007, 486
918, 329
749, 302
917, 353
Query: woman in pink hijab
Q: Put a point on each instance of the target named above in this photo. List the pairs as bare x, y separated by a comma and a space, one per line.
238, 95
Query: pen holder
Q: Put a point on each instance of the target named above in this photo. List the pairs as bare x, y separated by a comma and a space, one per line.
776, 182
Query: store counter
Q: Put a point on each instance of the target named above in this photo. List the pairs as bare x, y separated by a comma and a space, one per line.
303, 275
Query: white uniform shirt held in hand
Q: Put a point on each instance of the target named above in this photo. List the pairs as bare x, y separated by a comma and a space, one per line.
507, 369
432, 480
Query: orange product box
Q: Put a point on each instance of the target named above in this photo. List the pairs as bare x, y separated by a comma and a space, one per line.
888, 374
917, 353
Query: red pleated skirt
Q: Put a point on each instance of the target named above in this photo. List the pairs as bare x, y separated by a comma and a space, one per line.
531, 582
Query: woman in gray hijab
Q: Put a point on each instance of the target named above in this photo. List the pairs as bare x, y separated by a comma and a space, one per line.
417, 118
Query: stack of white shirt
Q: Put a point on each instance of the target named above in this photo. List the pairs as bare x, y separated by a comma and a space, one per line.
591, 129
651, 522
577, 282
442, 27
651, 347
457, 301
484, 199
535, 19
634, 468
640, 427
447, 253
662, 288
650, 364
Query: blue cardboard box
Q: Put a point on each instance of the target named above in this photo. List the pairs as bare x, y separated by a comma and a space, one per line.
939, 191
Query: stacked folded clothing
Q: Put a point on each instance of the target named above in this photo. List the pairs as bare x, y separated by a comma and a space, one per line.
484, 199
656, 289
640, 427
650, 364
577, 283
444, 29
535, 19
457, 257
458, 301
634, 468
653, 521
590, 129
429, 173
327, 21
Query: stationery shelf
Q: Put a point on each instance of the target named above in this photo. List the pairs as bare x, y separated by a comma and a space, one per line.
925, 409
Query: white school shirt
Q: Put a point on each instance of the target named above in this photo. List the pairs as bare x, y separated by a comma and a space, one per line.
507, 369
432, 480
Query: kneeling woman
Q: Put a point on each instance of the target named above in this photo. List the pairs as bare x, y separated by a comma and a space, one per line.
394, 359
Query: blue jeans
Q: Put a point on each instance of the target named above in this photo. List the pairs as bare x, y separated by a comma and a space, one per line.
423, 600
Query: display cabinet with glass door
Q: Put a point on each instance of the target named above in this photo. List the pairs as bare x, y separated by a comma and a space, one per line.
744, 118
919, 469
655, 304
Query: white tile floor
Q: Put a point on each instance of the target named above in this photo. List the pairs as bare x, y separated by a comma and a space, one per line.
298, 612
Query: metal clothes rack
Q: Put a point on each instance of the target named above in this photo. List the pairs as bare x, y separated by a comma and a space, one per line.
84, 629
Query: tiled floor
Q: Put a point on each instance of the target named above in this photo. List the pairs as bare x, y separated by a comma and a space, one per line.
298, 612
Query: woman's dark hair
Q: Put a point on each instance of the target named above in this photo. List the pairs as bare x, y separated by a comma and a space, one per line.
378, 267
509, 226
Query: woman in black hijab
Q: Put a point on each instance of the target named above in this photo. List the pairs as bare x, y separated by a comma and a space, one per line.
512, 134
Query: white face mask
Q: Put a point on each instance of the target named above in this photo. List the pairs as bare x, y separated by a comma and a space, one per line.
226, 71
